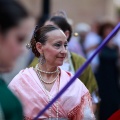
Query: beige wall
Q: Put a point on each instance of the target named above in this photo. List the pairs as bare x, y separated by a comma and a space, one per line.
33, 6
85, 10
78, 10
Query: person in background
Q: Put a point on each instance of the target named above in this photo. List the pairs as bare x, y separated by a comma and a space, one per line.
24, 58
83, 29
36, 87
76, 43
73, 61
107, 75
91, 42
117, 36
13, 23
116, 41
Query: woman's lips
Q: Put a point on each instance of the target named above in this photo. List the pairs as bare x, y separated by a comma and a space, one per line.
61, 57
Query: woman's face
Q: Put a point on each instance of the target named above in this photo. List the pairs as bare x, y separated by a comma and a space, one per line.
54, 49
12, 44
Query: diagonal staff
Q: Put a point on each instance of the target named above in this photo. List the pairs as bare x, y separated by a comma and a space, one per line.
81, 69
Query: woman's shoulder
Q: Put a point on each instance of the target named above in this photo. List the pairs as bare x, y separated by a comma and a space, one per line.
75, 91
26, 71
22, 75
68, 76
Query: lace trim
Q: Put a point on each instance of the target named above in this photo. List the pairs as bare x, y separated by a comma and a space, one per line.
79, 110
74, 111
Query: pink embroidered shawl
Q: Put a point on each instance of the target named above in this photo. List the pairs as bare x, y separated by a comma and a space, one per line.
74, 104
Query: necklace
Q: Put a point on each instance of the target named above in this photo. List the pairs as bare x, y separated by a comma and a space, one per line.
37, 67
51, 81
50, 109
43, 79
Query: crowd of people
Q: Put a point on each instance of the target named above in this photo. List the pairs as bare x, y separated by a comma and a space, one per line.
54, 54
105, 65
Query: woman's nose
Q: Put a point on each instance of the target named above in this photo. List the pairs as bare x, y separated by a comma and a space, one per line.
64, 50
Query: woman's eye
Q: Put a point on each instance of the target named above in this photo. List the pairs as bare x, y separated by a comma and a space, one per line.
65, 45
57, 45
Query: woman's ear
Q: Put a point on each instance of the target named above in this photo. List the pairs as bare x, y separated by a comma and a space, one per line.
67, 33
39, 47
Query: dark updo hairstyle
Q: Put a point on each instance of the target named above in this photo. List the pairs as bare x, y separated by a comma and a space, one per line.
63, 24
11, 13
40, 36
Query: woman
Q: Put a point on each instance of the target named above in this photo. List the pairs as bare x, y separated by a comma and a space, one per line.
13, 21
36, 87
76, 61
73, 61
108, 75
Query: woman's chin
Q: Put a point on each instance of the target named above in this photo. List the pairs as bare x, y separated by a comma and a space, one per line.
60, 64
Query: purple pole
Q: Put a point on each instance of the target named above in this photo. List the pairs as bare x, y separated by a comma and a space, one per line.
81, 69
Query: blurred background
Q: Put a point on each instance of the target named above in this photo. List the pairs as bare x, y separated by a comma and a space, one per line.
91, 21
85, 16
78, 10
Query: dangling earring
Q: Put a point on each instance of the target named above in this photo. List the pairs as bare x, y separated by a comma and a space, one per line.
42, 59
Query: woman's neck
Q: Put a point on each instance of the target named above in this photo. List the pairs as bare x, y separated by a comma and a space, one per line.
47, 68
